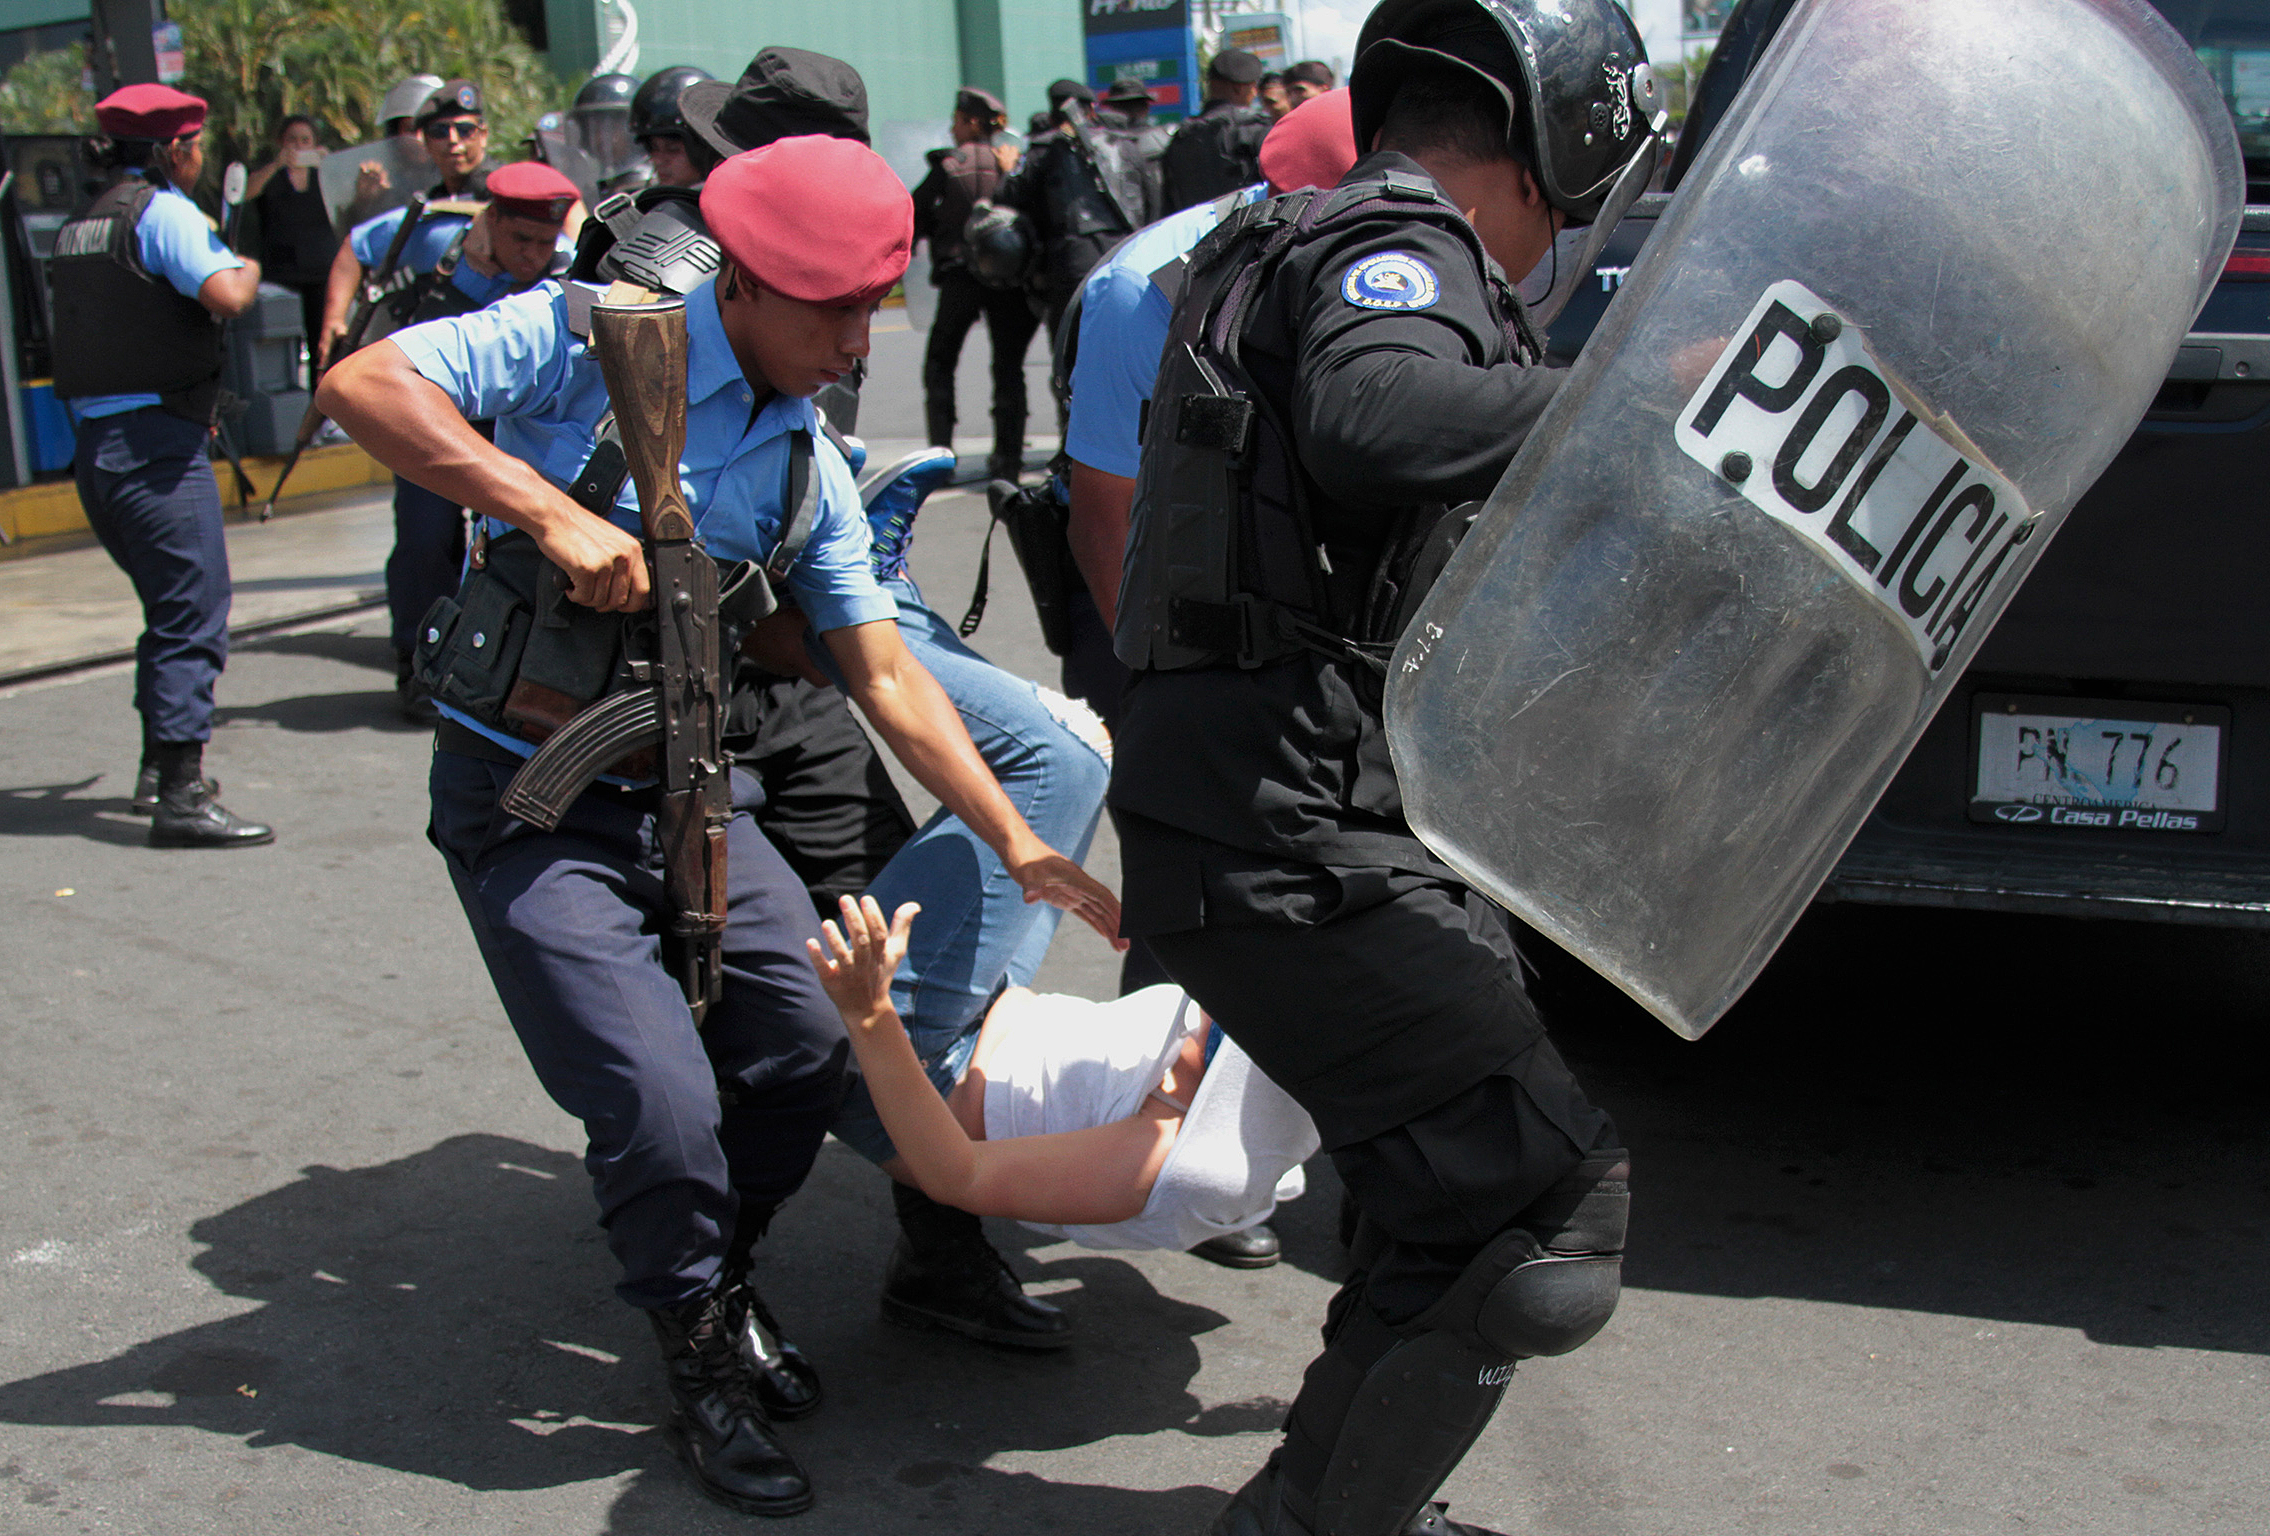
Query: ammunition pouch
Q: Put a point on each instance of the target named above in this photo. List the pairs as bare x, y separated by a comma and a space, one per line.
514, 652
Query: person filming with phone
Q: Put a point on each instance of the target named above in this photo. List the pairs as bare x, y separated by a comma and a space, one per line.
297, 243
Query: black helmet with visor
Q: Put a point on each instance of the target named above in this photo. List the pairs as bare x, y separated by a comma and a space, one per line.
1578, 90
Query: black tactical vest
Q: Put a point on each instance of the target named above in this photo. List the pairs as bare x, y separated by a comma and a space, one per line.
1224, 563
416, 297
119, 329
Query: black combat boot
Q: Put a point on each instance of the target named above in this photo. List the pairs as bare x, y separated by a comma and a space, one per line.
717, 1420
1254, 1248
145, 801
788, 1384
187, 815
944, 1274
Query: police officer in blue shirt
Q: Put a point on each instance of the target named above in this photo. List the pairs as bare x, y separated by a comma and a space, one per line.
453, 264
1113, 360
141, 285
697, 1135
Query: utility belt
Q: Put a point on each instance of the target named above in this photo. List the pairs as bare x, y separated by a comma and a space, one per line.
1253, 631
514, 652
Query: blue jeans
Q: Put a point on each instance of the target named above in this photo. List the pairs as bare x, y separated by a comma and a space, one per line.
976, 930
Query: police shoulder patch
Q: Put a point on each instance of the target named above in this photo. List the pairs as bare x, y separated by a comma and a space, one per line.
1391, 280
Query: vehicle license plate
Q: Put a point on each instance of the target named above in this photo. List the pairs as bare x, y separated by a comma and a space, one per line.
2100, 765
1801, 418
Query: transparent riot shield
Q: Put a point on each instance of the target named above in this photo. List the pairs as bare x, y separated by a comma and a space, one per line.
1922, 285
409, 169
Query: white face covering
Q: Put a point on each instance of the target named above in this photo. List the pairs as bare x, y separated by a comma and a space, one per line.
1068, 1064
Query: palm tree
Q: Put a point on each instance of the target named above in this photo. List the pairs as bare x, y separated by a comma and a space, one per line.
256, 61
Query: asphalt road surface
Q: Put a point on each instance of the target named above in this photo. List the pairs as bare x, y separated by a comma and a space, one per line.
1956, 1225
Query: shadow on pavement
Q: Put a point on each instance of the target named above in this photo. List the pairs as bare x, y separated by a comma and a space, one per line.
2043, 1121
323, 714
51, 810
373, 650
449, 1314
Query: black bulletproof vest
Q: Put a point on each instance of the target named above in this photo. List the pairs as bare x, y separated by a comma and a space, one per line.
1225, 563
120, 330
417, 297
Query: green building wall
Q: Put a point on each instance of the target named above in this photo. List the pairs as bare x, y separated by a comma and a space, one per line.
912, 53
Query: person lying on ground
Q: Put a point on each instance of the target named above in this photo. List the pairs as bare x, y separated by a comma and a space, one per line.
1129, 1124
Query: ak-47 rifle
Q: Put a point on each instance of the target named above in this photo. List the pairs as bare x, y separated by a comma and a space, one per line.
373, 292
642, 355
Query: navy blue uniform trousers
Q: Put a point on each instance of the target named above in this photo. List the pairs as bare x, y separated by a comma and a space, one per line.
427, 560
148, 490
687, 1127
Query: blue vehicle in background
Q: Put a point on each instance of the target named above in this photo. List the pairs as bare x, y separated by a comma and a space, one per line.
2108, 752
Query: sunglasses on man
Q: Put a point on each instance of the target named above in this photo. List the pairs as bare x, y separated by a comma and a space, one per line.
453, 128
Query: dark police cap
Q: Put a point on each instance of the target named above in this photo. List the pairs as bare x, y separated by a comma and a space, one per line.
975, 101
1236, 66
1062, 91
1127, 88
458, 98
785, 93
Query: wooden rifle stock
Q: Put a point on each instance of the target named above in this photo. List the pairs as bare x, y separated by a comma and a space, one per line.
642, 355
366, 304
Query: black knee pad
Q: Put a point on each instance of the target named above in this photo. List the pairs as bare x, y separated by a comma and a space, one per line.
1550, 1281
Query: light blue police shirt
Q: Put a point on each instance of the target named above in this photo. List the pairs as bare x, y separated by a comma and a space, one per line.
429, 242
517, 363
1123, 331
178, 243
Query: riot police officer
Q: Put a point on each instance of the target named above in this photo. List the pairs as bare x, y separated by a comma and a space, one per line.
959, 180
659, 127
141, 284
1343, 369
1219, 150
601, 115
1088, 185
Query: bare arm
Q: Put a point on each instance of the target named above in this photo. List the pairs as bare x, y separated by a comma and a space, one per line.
339, 287
1097, 531
918, 722
229, 294
260, 178
405, 422
1090, 1177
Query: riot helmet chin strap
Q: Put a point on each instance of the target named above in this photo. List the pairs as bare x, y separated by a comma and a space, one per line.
1637, 173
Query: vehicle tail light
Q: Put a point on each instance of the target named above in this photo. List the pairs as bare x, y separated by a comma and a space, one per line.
2248, 267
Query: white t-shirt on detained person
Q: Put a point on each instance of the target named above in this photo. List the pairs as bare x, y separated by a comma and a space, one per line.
1074, 1064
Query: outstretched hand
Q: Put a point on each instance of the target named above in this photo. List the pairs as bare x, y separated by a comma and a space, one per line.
859, 959
1061, 883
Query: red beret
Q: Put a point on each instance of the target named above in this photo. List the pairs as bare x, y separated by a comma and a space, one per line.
817, 218
1311, 146
530, 189
149, 112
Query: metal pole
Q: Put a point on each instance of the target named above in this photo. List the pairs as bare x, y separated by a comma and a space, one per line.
18, 462
124, 50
